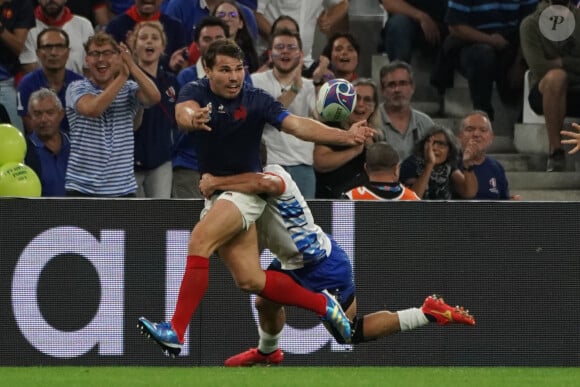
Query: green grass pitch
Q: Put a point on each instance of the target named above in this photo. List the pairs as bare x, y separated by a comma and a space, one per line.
288, 376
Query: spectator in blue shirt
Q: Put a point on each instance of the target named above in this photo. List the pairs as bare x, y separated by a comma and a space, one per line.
48, 147
52, 50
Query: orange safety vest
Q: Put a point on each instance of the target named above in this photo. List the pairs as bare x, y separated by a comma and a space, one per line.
363, 193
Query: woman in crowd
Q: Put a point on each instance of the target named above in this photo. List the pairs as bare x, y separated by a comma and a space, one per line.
230, 12
154, 137
432, 170
339, 169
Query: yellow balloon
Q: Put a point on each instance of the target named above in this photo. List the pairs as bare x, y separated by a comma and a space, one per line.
12, 145
17, 179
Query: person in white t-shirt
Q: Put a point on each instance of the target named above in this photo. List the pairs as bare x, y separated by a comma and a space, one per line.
54, 13
285, 82
325, 14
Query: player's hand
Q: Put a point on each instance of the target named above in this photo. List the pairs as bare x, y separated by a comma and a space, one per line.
361, 132
200, 117
574, 138
206, 184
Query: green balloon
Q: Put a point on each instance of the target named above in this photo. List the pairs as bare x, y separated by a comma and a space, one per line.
12, 145
17, 179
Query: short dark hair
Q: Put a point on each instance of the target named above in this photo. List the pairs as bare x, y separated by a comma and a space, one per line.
210, 21
395, 65
281, 18
225, 47
381, 156
286, 32
327, 50
53, 29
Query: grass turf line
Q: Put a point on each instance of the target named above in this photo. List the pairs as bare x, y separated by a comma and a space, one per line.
288, 376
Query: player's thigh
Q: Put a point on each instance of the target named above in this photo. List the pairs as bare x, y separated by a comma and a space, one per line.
241, 256
219, 224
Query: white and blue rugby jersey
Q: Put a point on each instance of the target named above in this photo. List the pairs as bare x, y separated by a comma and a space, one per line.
287, 227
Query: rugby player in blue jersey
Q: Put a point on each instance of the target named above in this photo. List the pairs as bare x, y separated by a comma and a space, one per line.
228, 117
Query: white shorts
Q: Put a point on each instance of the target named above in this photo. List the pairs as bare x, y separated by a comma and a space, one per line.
250, 206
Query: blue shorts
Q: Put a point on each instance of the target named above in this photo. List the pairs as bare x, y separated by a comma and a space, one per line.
334, 273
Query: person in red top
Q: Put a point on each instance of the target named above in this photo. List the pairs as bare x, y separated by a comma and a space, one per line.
382, 166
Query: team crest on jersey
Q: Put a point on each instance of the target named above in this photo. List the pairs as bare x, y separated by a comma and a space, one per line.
221, 109
170, 92
493, 185
240, 114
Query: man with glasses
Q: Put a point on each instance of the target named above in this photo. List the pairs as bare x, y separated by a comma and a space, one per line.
101, 112
52, 50
285, 83
401, 125
54, 13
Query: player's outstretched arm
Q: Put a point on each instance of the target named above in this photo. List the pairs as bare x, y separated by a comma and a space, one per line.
250, 183
190, 116
308, 129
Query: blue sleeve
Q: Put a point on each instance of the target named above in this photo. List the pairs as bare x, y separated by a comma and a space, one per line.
185, 76
504, 191
190, 92
274, 111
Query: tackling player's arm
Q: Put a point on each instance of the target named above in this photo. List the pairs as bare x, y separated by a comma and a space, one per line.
250, 183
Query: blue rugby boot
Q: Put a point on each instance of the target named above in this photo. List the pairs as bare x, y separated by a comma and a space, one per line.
163, 334
335, 320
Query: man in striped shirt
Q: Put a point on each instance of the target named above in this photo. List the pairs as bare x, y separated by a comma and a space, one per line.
483, 46
101, 111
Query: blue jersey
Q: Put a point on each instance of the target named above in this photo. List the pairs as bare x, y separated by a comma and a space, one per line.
233, 144
36, 80
50, 167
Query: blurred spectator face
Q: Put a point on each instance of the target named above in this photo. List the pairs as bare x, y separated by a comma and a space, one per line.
231, 16
365, 103
344, 57
286, 53
397, 89
46, 117
440, 147
149, 44
147, 7
52, 51
476, 131
104, 63
51, 8
208, 35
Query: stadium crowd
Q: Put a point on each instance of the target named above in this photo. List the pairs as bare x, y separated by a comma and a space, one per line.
49, 44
